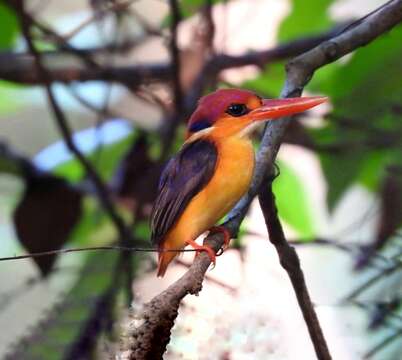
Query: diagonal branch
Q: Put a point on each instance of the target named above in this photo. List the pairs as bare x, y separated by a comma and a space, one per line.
149, 340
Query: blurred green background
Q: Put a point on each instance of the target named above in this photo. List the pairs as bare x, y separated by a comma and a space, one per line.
340, 171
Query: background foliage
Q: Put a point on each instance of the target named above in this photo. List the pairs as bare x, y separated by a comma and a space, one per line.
358, 141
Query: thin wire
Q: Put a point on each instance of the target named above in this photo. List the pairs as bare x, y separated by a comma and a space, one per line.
92, 248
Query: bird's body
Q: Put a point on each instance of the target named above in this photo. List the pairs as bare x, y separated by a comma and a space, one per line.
234, 169
212, 171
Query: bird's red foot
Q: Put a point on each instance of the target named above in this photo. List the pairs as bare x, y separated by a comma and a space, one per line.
206, 248
225, 232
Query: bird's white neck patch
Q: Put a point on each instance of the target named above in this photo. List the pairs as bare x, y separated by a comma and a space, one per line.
199, 134
246, 132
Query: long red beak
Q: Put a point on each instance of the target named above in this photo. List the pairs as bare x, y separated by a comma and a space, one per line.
274, 108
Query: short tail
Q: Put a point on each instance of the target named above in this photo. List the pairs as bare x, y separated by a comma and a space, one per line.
165, 258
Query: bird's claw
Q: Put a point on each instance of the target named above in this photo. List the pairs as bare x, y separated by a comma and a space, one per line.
220, 251
198, 248
226, 237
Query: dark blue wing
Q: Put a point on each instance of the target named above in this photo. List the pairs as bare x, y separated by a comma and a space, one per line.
185, 175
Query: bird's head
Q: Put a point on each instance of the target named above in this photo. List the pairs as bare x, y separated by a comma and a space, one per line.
229, 112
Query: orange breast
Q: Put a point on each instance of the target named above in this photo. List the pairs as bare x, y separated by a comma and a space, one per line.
234, 170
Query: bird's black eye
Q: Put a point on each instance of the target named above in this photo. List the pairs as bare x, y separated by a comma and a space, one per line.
237, 109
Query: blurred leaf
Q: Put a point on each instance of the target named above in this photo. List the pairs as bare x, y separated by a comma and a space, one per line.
370, 81
94, 227
12, 162
137, 177
352, 164
364, 92
270, 82
8, 26
297, 134
341, 167
306, 17
292, 202
372, 169
45, 216
142, 230
8, 166
9, 97
341, 171
189, 8
81, 315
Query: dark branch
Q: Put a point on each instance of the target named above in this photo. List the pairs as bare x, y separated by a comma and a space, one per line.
175, 54
21, 67
291, 263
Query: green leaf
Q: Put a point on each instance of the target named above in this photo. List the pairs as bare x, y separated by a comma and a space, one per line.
370, 81
306, 17
94, 227
270, 82
9, 95
142, 231
292, 202
8, 166
188, 8
372, 169
8, 27
340, 170
363, 91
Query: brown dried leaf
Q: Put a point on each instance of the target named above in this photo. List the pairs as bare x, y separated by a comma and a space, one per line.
136, 179
48, 211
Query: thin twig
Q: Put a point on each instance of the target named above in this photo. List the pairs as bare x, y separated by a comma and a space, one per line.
385, 342
173, 120
368, 283
175, 54
59, 39
291, 263
210, 25
116, 7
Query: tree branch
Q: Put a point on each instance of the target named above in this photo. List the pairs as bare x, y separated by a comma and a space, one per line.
175, 54
291, 263
149, 340
21, 68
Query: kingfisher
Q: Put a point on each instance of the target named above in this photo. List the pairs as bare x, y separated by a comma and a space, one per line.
213, 169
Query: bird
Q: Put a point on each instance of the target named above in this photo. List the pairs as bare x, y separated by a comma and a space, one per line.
213, 169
